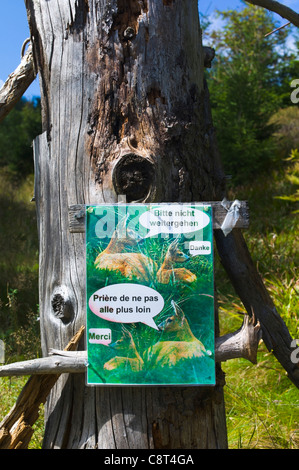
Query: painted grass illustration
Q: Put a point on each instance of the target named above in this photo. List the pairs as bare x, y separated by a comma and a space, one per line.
185, 334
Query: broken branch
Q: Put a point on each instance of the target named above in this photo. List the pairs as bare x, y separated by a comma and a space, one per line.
16, 84
240, 344
278, 29
279, 8
45, 365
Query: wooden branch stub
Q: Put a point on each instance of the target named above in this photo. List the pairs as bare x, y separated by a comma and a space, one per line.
209, 55
77, 216
241, 344
46, 365
16, 84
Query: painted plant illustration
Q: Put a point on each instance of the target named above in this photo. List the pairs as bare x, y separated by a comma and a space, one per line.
150, 294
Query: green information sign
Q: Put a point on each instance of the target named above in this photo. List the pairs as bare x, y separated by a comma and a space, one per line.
150, 294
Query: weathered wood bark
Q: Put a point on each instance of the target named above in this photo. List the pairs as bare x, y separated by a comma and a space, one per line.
76, 363
125, 111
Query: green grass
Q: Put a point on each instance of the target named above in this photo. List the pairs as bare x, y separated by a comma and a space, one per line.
18, 267
262, 405
19, 328
10, 388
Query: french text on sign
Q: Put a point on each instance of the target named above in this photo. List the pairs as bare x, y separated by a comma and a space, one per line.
127, 303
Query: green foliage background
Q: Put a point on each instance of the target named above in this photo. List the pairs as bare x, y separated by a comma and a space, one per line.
249, 82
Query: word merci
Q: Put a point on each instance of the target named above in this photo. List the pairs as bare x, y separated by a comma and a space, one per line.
100, 336
127, 303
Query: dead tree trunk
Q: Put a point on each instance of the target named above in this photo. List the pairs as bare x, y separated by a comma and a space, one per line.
125, 112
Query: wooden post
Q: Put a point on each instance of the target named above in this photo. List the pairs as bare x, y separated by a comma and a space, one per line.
125, 112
